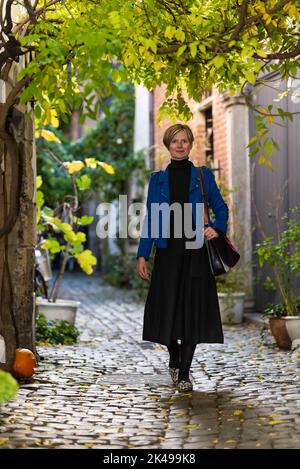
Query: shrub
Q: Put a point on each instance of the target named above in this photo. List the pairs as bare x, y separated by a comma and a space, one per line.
121, 273
8, 386
55, 333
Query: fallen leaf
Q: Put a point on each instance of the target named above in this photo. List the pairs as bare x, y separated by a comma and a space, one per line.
237, 412
191, 425
276, 422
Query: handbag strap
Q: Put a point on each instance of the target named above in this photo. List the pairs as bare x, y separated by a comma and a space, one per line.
203, 195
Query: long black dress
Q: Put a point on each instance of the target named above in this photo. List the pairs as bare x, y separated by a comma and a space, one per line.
182, 301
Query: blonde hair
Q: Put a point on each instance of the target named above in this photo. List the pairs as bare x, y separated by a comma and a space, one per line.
173, 130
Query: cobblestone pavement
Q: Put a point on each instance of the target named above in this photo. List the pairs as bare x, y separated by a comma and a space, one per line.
112, 390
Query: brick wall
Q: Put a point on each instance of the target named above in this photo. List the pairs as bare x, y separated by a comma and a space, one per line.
197, 124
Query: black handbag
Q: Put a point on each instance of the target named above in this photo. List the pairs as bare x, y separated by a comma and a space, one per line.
222, 254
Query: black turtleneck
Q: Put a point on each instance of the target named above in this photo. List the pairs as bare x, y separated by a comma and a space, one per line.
179, 181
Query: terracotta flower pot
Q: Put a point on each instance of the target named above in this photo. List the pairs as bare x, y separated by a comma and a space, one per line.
280, 333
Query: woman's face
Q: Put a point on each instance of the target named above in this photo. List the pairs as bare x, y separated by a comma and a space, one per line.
180, 147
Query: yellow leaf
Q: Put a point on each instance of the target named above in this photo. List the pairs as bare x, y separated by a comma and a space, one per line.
158, 348
191, 425
238, 412
90, 162
88, 445
39, 181
74, 166
157, 66
270, 119
53, 119
47, 135
107, 167
276, 422
130, 446
231, 441
86, 260
269, 164
3, 441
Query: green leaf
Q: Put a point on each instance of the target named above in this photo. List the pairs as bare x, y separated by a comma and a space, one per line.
181, 50
193, 49
39, 181
252, 141
218, 61
83, 182
268, 146
8, 386
85, 220
253, 152
250, 76
39, 199
52, 245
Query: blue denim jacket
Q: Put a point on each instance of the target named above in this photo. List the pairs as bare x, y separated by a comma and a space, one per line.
159, 193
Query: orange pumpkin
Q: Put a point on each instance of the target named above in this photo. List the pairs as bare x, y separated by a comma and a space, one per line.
24, 364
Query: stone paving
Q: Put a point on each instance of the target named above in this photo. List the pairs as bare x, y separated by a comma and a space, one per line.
112, 390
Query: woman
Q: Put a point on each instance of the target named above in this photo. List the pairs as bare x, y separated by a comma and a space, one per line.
182, 301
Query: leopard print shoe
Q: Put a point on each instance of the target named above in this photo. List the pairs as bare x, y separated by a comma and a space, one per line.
185, 385
174, 375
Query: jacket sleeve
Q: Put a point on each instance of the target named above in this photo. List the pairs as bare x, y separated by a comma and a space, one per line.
146, 241
217, 204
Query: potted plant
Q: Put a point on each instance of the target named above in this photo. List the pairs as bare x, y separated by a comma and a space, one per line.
283, 255
231, 294
62, 230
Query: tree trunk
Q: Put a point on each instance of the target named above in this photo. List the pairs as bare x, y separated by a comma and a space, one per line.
17, 246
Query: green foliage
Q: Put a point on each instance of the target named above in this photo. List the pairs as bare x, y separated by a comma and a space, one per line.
122, 273
8, 386
55, 183
84, 49
283, 255
51, 332
233, 281
268, 285
110, 141
73, 239
280, 310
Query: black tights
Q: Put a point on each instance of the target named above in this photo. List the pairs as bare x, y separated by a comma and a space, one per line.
181, 356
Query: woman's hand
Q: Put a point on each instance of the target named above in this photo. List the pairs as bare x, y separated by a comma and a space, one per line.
210, 233
141, 267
